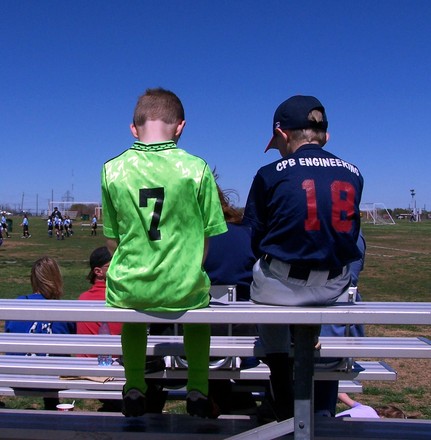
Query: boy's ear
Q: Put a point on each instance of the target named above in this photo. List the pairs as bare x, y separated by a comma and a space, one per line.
180, 129
134, 130
98, 271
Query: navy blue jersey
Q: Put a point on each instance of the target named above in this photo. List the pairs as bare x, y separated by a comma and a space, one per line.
230, 259
304, 209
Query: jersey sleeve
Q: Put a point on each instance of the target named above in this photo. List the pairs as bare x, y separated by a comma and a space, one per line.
209, 203
255, 213
110, 225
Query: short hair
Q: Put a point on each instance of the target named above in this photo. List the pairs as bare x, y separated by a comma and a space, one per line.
46, 278
310, 134
158, 105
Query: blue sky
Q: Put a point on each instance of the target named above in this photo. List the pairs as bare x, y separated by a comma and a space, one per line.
71, 72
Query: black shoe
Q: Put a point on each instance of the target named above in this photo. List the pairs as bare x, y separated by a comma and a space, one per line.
134, 403
201, 406
156, 398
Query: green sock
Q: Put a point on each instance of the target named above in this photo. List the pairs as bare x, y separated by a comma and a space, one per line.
197, 347
134, 345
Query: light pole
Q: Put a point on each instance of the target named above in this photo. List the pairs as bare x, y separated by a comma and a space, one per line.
412, 192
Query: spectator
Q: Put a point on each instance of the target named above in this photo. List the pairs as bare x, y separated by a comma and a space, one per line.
100, 259
47, 283
305, 218
230, 260
358, 410
163, 241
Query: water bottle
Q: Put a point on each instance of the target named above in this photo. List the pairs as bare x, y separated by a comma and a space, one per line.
353, 292
104, 360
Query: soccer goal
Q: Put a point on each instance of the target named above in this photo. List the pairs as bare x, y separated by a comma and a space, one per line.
376, 213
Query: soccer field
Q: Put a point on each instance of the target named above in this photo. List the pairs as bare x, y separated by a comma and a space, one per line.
18, 254
397, 262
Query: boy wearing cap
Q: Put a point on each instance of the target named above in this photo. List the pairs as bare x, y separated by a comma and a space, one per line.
100, 259
160, 205
305, 218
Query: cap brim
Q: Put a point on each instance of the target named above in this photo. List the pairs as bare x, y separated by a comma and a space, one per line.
270, 144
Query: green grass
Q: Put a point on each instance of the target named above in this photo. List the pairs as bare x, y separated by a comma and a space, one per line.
397, 265
18, 254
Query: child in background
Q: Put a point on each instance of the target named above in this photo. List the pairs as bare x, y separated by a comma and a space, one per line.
358, 410
24, 224
47, 283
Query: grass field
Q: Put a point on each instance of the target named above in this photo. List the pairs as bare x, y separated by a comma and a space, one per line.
397, 264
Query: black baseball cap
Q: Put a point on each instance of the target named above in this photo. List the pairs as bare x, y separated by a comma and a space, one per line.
99, 257
292, 114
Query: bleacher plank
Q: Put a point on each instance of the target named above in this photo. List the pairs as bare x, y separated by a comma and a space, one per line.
243, 312
243, 346
52, 425
45, 376
68, 366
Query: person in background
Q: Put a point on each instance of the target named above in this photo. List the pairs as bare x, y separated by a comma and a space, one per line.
47, 283
100, 259
230, 258
163, 241
230, 261
68, 226
55, 213
94, 225
358, 410
50, 225
24, 224
59, 228
4, 224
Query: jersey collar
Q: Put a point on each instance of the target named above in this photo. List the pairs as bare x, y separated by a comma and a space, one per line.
167, 145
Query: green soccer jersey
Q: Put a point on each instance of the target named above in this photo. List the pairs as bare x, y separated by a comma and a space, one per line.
159, 203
